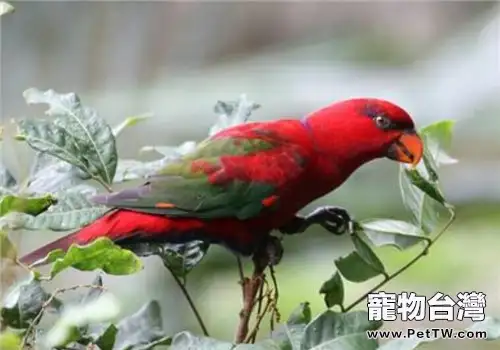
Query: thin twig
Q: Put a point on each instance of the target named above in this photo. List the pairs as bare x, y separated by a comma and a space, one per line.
390, 277
242, 275
47, 303
250, 289
260, 316
275, 311
190, 302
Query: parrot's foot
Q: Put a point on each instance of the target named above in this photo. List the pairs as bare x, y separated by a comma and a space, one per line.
269, 252
334, 219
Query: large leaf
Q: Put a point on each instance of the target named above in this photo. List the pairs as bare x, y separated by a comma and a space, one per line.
186, 340
28, 205
289, 335
100, 254
142, 330
397, 233
76, 135
67, 328
342, 331
23, 303
72, 211
333, 290
420, 186
7, 180
49, 174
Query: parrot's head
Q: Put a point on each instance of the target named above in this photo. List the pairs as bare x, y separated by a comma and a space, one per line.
364, 129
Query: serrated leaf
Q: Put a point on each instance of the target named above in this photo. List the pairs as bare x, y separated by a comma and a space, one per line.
49, 174
289, 335
355, 269
77, 134
491, 325
343, 331
72, 211
420, 187
66, 328
186, 340
100, 254
5, 8
9, 341
142, 330
397, 233
29, 205
367, 254
232, 113
130, 121
333, 290
23, 303
7, 249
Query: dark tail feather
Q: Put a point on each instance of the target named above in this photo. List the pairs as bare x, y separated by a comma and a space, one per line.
61, 243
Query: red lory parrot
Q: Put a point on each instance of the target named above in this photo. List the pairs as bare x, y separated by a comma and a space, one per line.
244, 182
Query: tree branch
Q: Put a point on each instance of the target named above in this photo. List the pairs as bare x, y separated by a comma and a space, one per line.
250, 289
390, 277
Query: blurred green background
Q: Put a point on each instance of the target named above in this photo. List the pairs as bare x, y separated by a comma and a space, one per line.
438, 60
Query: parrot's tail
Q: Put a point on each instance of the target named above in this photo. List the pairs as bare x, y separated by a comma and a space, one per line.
118, 225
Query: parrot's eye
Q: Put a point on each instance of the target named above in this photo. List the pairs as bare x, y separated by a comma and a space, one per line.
382, 122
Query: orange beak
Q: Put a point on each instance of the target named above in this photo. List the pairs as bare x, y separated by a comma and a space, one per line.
408, 148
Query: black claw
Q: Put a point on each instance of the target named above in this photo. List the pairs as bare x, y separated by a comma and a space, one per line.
334, 219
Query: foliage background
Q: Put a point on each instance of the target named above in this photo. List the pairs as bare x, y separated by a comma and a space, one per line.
440, 60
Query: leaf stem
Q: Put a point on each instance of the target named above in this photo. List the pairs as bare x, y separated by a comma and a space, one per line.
102, 182
190, 301
390, 277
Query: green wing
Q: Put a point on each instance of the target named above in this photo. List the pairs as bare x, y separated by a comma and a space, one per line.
224, 177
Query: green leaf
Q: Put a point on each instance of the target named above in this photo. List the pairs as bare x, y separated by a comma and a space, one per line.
333, 289
7, 249
355, 269
289, 335
142, 330
72, 211
398, 233
9, 341
180, 259
232, 113
186, 340
343, 331
23, 303
77, 134
367, 254
29, 205
67, 328
490, 324
130, 121
100, 254
49, 174
5, 8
